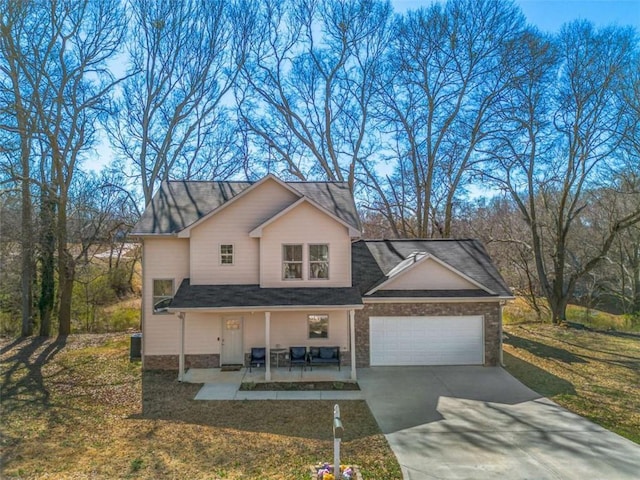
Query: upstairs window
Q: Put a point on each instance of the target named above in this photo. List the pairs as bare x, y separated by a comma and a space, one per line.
162, 295
319, 262
226, 254
292, 262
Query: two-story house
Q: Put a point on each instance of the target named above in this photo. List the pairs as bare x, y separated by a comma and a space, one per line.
228, 266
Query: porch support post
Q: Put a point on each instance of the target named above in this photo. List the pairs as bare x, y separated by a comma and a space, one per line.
267, 342
181, 355
352, 338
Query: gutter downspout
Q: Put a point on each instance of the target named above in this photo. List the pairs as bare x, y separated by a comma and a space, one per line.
501, 359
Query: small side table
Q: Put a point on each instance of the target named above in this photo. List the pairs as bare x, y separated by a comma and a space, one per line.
278, 352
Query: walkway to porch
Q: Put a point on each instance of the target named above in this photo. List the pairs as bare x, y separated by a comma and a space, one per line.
219, 385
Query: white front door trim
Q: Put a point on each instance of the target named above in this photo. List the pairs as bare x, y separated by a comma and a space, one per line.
232, 352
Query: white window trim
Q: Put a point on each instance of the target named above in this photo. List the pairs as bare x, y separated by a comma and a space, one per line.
309, 331
283, 261
309, 262
233, 255
153, 296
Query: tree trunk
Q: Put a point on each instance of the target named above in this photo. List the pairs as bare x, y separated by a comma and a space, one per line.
558, 310
27, 246
66, 270
635, 282
47, 260
10, 54
66, 273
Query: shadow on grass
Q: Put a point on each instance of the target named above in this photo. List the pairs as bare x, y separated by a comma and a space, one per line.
542, 350
22, 373
537, 379
164, 398
618, 358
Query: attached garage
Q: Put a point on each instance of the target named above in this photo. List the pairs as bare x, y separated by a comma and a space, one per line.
426, 340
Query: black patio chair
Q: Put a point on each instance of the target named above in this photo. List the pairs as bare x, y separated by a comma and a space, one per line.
257, 358
297, 356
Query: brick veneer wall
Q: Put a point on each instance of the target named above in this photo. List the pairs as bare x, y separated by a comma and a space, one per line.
170, 362
490, 311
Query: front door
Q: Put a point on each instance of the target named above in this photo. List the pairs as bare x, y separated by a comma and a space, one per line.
232, 353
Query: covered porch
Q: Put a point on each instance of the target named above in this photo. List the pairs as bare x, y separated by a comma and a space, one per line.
239, 318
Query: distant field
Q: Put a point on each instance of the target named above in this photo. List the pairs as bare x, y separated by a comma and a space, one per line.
518, 311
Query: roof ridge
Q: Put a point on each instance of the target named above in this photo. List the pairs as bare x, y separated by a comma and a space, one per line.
297, 182
419, 240
175, 180
317, 181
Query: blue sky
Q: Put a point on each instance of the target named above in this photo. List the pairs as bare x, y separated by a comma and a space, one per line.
549, 15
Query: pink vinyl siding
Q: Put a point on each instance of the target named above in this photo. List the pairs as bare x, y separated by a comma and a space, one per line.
232, 226
305, 225
429, 275
289, 329
163, 258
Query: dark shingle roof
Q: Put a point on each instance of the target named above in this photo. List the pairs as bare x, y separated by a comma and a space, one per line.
242, 296
372, 260
333, 196
178, 204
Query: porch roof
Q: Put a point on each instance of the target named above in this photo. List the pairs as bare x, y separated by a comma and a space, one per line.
228, 297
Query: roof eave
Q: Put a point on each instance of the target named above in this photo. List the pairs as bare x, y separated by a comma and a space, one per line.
492, 299
265, 308
142, 235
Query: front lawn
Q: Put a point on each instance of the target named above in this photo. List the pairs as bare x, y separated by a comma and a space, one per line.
594, 374
77, 408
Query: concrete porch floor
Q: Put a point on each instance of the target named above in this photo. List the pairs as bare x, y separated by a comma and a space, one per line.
256, 375
219, 385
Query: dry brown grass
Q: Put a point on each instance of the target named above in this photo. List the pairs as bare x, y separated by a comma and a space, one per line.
77, 408
593, 374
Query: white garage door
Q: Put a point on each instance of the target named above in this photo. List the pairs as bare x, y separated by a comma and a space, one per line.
426, 340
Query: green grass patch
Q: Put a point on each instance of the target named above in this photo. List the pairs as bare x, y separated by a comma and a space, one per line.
599, 320
594, 374
520, 312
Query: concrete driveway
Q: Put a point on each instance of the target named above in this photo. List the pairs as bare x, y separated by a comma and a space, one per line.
480, 422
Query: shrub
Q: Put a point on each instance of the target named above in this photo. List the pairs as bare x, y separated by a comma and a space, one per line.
122, 318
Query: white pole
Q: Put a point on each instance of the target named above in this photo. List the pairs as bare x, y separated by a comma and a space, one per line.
352, 346
337, 437
336, 458
267, 343
181, 356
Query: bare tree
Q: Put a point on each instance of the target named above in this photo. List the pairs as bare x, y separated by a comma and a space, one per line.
444, 78
173, 117
64, 69
306, 88
17, 126
558, 147
498, 223
616, 280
